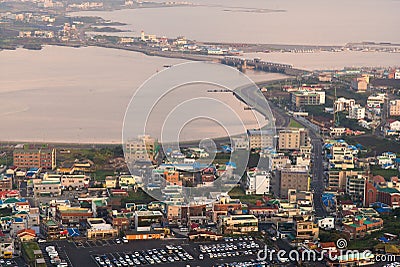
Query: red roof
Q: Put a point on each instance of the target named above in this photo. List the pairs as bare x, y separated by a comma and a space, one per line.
28, 231
325, 245
378, 179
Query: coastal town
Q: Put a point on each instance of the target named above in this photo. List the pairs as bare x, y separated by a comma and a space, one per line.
322, 189
332, 175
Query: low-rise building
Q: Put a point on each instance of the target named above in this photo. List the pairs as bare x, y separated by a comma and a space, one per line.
50, 188
238, 224
306, 229
72, 215
361, 226
327, 223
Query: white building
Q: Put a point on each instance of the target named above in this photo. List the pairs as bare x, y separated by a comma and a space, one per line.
397, 75
394, 125
374, 101
327, 223
258, 182
342, 104
357, 112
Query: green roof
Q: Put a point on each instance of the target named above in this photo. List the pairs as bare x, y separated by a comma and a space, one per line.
388, 190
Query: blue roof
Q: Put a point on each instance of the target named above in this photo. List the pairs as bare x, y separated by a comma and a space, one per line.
397, 160
73, 232
384, 210
384, 239
230, 163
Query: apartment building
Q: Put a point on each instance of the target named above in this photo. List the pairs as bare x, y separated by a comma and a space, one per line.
293, 177
357, 112
337, 178
355, 188
27, 157
293, 139
394, 107
308, 98
260, 139
5, 183
142, 148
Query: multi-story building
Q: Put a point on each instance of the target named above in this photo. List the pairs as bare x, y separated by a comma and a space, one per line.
293, 139
293, 177
260, 139
279, 160
394, 107
337, 178
342, 156
258, 182
357, 112
389, 196
238, 224
50, 188
355, 188
35, 158
5, 183
376, 100
308, 98
144, 220
360, 84
344, 104
69, 181
50, 229
142, 148
306, 229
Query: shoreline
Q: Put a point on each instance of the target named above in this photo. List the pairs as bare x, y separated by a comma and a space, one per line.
113, 143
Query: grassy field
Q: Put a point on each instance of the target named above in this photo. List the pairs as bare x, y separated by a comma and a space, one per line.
238, 193
294, 124
385, 173
375, 145
100, 175
28, 249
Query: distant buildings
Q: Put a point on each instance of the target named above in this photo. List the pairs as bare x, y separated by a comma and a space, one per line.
27, 157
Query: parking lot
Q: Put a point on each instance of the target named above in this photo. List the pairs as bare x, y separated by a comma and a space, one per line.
165, 252
7, 263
